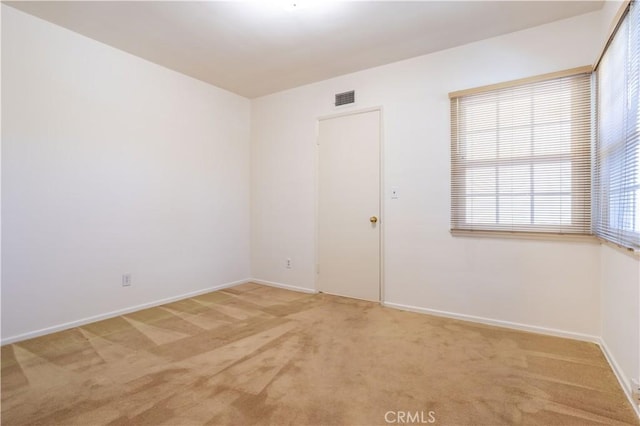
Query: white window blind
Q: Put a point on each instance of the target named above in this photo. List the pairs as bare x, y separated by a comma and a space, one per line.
521, 158
616, 208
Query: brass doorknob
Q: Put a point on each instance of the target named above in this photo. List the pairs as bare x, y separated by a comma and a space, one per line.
373, 219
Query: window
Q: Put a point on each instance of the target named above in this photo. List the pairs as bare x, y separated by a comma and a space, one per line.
616, 208
520, 156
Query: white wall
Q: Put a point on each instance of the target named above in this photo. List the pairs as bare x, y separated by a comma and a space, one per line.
111, 164
620, 277
552, 285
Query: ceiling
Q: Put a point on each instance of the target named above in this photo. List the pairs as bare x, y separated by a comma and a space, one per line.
255, 48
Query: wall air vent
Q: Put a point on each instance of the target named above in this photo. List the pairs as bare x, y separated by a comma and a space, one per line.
345, 98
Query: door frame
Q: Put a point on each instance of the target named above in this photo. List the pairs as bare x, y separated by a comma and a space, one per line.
381, 220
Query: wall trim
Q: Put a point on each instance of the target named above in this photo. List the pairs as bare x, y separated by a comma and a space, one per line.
620, 376
617, 371
634, 254
118, 312
284, 286
585, 69
499, 323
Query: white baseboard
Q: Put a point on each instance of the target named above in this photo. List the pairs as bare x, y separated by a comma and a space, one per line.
284, 286
499, 323
624, 381
83, 321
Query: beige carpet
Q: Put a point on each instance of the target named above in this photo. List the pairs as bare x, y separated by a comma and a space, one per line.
259, 355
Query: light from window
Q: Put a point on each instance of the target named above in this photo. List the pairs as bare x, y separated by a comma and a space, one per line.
520, 157
616, 209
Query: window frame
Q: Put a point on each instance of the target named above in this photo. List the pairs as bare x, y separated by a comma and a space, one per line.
580, 216
604, 227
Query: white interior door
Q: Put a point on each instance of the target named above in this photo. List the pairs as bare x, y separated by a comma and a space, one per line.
349, 206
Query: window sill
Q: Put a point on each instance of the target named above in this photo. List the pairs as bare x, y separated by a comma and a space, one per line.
635, 254
539, 236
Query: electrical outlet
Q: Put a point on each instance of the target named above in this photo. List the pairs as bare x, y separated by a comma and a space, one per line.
126, 280
288, 263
